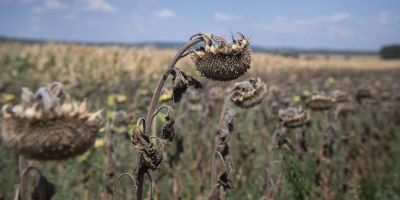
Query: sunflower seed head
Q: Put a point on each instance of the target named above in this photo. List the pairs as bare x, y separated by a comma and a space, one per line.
292, 117
320, 101
340, 96
37, 133
249, 93
364, 92
221, 61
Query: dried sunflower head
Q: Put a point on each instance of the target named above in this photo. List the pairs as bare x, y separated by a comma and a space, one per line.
45, 129
320, 101
364, 92
293, 117
218, 60
340, 96
248, 93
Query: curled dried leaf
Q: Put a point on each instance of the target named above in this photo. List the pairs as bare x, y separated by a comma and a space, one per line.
152, 156
222, 142
168, 130
181, 81
44, 189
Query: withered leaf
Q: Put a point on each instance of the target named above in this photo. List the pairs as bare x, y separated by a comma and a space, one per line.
168, 130
44, 190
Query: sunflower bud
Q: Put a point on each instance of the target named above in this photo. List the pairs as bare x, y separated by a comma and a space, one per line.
249, 93
218, 60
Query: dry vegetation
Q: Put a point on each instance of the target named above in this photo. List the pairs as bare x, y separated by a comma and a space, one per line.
280, 149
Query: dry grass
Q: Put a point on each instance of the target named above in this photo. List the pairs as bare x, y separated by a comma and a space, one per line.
116, 78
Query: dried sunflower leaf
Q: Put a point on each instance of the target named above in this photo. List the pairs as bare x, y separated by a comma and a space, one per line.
168, 130
181, 81
44, 190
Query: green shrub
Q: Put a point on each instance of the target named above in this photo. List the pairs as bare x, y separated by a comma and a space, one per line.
390, 52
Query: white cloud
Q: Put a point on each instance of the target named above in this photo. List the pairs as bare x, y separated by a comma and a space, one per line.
99, 5
50, 5
338, 17
226, 16
386, 18
165, 13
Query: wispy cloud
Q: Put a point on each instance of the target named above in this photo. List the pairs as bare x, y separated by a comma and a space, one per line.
165, 13
338, 17
226, 16
99, 5
50, 5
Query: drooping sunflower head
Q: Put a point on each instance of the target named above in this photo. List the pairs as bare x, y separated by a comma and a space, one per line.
340, 96
293, 117
249, 93
43, 128
320, 101
222, 61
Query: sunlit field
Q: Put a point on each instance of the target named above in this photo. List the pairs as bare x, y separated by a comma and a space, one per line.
344, 145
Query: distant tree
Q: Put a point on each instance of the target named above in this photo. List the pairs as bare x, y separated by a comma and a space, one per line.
390, 52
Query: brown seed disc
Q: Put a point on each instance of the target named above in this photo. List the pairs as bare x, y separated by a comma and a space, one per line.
293, 117
223, 67
320, 102
48, 138
249, 93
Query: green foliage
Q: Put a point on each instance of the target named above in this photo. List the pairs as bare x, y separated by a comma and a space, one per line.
390, 52
295, 175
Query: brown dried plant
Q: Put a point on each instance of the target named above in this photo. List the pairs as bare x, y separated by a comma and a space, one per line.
245, 94
216, 60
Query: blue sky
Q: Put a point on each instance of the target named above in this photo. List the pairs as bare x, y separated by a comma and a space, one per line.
337, 24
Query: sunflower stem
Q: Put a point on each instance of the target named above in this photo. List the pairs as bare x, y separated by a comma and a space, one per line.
157, 91
221, 124
141, 169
